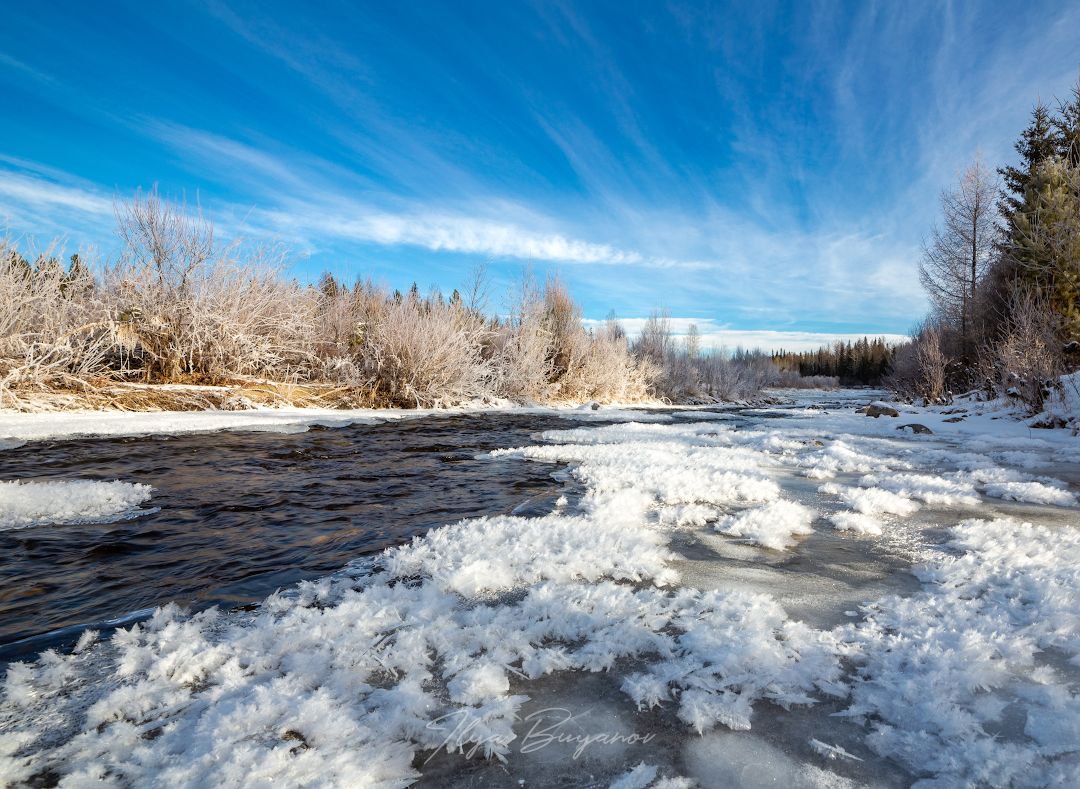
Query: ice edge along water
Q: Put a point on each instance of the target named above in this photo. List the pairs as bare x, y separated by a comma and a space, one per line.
65, 502
343, 681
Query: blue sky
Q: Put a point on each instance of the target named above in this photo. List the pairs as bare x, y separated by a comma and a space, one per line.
765, 170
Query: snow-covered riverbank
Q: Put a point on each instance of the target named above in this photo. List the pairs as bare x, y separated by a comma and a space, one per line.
723, 599
17, 427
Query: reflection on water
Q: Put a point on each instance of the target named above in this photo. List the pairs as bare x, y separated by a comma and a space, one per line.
245, 513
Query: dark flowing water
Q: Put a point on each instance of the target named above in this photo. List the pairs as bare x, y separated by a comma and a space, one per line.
243, 514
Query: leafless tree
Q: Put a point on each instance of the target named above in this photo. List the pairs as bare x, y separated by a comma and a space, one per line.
693, 341
958, 252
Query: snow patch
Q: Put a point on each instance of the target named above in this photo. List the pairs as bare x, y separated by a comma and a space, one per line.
771, 526
937, 670
933, 489
871, 501
64, 502
857, 522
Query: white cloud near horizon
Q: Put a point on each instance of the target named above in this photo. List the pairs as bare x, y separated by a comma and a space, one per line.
719, 338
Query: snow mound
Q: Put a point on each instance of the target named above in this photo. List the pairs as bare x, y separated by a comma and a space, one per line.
24, 504
687, 515
698, 463
871, 501
771, 526
507, 552
932, 489
730, 649
857, 522
1012, 485
1031, 492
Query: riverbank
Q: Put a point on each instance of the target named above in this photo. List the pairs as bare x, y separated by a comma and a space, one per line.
161, 416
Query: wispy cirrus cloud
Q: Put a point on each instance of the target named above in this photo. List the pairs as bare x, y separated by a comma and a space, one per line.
22, 190
342, 218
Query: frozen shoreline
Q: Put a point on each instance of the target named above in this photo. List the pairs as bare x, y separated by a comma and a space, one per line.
987, 421
652, 599
18, 427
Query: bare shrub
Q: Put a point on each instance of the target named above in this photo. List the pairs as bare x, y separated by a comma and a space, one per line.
684, 373
920, 367
932, 364
1029, 359
790, 379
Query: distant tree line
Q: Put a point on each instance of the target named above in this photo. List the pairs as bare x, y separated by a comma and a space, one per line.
1002, 270
865, 362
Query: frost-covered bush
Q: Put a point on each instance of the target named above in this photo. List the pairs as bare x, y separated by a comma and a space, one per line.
790, 379
608, 371
424, 355
920, 367
184, 306
543, 352
52, 330
522, 348
686, 374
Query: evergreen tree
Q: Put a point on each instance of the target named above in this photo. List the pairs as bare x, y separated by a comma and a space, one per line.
329, 286
1067, 128
1036, 144
865, 361
19, 265
1046, 246
78, 280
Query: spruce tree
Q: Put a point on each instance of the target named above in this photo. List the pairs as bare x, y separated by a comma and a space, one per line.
328, 285
1037, 143
1067, 128
18, 265
1046, 244
77, 280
